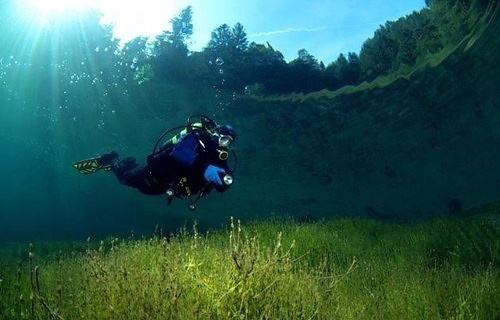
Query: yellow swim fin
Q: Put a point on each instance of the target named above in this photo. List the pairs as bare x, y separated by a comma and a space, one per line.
89, 166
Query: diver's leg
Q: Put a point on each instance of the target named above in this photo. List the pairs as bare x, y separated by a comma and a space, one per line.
129, 173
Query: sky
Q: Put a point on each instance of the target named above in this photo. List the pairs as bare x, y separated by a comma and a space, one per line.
325, 28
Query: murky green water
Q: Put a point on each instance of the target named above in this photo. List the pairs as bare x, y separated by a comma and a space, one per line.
411, 149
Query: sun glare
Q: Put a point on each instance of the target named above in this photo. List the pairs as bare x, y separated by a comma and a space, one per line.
52, 7
129, 18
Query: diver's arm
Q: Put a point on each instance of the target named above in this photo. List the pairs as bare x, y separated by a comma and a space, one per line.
197, 152
216, 172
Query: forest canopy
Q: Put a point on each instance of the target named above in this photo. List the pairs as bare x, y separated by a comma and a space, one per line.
232, 63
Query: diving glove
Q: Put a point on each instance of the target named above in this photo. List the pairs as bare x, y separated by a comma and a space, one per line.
212, 175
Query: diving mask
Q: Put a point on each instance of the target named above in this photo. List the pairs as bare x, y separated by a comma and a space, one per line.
224, 135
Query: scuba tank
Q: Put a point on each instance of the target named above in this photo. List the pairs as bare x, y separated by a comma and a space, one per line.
204, 123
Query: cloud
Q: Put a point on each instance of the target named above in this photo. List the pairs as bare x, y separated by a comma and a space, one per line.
285, 31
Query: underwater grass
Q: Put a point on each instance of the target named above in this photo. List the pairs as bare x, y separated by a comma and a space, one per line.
345, 268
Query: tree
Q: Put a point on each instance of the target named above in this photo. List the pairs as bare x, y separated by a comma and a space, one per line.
308, 59
221, 39
170, 49
378, 54
353, 71
305, 73
135, 59
227, 52
344, 71
330, 77
342, 64
182, 27
228, 42
266, 67
264, 55
239, 38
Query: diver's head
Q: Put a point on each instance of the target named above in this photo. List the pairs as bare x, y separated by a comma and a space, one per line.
224, 135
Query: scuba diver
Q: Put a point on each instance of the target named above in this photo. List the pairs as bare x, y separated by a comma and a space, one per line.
190, 164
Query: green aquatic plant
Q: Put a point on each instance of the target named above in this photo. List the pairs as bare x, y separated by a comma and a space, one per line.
345, 268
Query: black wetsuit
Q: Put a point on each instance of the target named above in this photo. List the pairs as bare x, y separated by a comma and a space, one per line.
185, 161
